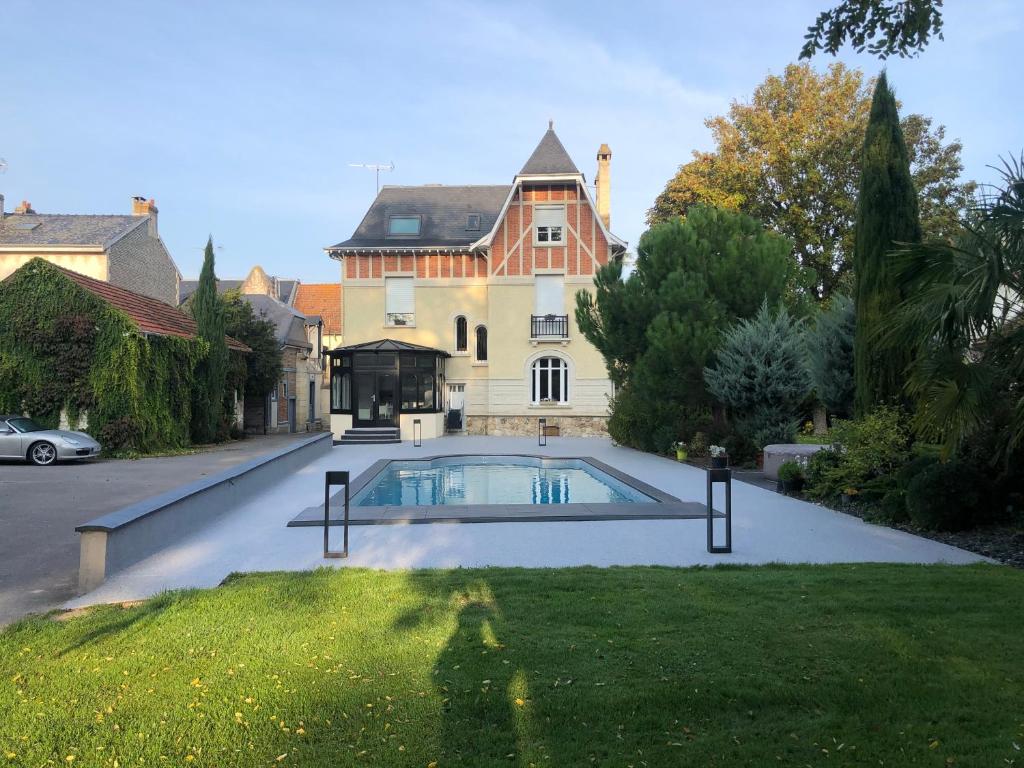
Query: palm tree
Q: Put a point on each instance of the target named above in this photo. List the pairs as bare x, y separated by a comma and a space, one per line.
964, 318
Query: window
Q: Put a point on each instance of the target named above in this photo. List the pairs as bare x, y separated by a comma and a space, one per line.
403, 226
400, 301
461, 334
417, 391
550, 381
548, 224
473, 222
481, 343
341, 392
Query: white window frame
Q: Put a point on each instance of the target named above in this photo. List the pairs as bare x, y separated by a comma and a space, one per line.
399, 302
549, 225
561, 371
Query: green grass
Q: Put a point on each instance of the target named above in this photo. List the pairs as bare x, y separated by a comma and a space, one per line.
802, 666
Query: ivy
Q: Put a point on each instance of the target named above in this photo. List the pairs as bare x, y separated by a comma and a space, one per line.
63, 349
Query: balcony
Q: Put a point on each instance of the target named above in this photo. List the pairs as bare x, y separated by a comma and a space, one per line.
549, 327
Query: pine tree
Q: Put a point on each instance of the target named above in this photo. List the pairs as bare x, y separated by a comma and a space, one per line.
211, 373
887, 215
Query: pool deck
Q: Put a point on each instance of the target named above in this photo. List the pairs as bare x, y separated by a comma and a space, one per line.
767, 528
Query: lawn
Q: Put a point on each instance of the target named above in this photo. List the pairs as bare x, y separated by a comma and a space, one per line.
806, 666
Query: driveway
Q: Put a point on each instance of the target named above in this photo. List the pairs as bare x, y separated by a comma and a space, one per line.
40, 507
767, 528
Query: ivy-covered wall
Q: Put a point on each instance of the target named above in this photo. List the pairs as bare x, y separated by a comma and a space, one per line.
64, 349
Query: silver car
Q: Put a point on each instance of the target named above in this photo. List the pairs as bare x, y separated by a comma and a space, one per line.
22, 438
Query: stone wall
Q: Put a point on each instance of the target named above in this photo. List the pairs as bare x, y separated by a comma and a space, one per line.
526, 426
140, 262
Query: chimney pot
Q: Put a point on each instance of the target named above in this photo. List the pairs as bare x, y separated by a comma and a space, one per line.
143, 207
25, 207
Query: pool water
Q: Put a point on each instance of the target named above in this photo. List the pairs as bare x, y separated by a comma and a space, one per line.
495, 480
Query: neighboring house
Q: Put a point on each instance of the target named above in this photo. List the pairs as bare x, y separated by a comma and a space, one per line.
295, 404
125, 251
323, 300
458, 305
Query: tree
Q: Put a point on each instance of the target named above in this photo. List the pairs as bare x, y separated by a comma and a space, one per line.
211, 374
791, 158
658, 329
961, 319
759, 374
884, 27
887, 215
256, 373
830, 355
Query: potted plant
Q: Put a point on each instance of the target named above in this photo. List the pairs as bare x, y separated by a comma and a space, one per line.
719, 457
681, 451
791, 477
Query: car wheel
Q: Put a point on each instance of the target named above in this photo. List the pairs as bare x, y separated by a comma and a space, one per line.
42, 454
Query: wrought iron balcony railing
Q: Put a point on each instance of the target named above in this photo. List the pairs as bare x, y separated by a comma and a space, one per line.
549, 326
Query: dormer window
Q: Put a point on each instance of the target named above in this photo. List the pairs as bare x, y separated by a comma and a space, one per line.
473, 222
548, 224
404, 226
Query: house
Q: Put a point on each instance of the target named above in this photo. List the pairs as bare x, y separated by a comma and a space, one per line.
458, 302
323, 301
295, 404
123, 250
75, 350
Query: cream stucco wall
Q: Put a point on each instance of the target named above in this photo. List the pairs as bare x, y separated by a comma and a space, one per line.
502, 384
89, 263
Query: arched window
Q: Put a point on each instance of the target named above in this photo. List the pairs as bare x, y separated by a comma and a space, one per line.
461, 334
481, 343
550, 381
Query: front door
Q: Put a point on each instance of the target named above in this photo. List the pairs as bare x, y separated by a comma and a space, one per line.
375, 400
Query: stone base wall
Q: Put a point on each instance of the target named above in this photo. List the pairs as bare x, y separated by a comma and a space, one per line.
526, 426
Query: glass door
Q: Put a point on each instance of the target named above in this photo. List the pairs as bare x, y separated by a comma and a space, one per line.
366, 396
386, 415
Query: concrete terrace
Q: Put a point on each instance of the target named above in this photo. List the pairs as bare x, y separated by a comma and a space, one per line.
767, 527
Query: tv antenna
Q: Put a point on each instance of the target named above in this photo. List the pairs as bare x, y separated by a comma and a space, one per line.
376, 167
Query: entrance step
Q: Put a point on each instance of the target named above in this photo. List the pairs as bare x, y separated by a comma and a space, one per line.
369, 436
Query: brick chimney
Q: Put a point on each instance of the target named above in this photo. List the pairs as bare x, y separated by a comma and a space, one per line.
603, 183
25, 207
143, 207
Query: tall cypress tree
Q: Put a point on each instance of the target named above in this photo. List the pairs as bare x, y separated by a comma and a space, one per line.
887, 214
206, 308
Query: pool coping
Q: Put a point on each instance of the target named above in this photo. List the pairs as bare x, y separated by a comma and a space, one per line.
666, 506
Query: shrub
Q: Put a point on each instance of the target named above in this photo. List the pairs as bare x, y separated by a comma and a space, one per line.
820, 469
790, 471
830, 355
944, 497
871, 450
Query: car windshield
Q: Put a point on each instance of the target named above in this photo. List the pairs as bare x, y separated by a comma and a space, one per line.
25, 425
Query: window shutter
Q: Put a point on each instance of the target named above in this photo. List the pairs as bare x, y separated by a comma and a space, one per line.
399, 295
549, 215
550, 295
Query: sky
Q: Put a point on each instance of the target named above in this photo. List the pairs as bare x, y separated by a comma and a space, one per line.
242, 119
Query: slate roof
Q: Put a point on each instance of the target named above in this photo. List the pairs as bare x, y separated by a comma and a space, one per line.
444, 209
289, 323
323, 300
65, 229
151, 315
389, 345
187, 287
549, 157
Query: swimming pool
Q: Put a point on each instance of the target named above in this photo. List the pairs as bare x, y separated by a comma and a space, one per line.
484, 480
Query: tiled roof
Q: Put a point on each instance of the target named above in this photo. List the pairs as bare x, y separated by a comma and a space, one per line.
444, 212
323, 299
549, 157
64, 229
389, 345
152, 316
